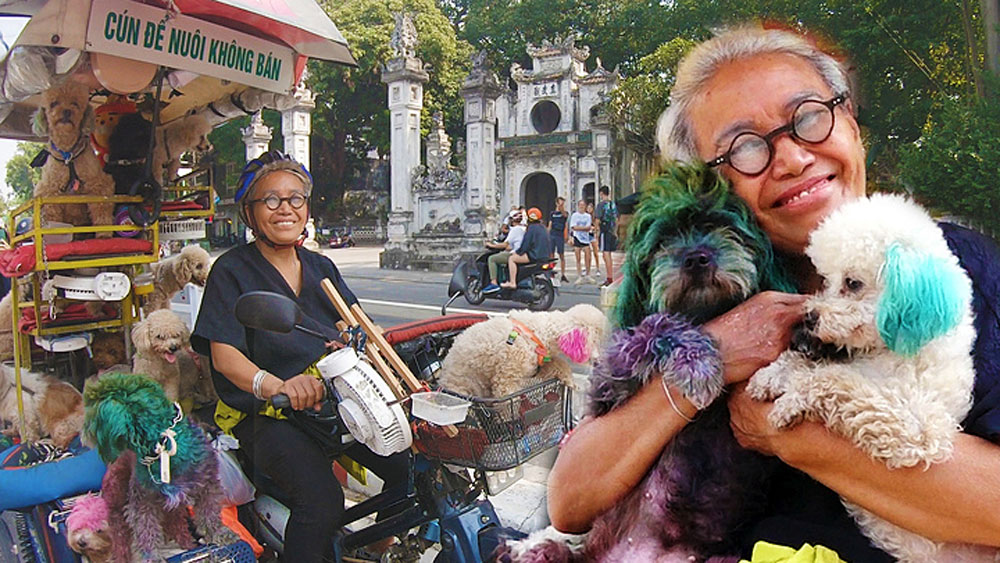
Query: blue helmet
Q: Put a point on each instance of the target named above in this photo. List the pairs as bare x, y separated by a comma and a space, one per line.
260, 167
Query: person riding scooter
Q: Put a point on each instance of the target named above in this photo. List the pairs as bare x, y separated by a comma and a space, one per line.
251, 366
535, 247
506, 247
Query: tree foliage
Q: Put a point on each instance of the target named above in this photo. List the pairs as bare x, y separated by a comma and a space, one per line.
351, 116
953, 168
21, 177
636, 104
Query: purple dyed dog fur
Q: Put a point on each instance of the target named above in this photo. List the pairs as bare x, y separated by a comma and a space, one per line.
662, 343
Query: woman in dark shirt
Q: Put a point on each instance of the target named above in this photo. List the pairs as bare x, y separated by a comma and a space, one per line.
250, 366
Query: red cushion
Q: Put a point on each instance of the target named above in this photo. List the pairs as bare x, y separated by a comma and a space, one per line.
20, 261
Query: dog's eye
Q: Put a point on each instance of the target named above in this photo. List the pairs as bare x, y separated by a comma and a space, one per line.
53, 104
852, 285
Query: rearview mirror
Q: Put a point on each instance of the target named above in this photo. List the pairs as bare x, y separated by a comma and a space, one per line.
265, 310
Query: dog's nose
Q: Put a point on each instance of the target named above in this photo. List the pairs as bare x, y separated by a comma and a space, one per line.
697, 261
174, 349
810, 320
82, 543
67, 114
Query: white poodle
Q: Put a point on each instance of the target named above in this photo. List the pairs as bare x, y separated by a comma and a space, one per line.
896, 306
503, 355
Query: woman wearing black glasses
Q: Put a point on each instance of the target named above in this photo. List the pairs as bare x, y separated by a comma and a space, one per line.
775, 114
249, 366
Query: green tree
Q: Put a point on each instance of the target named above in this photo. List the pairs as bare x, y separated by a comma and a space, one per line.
351, 117
21, 177
636, 104
953, 166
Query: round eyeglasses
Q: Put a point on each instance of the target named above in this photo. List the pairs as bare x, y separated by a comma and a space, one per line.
273, 202
751, 153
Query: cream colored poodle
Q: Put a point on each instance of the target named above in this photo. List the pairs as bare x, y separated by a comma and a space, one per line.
52, 408
506, 354
158, 341
189, 133
72, 168
896, 306
190, 265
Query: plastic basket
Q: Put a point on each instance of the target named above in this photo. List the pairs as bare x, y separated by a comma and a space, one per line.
500, 434
184, 229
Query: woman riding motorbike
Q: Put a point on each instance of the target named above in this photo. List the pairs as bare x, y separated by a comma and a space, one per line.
250, 366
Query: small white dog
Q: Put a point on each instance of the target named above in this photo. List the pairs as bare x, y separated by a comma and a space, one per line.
898, 304
191, 265
158, 341
503, 355
189, 133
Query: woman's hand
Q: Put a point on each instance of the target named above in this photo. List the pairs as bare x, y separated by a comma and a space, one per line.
752, 334
303, 391
748, 420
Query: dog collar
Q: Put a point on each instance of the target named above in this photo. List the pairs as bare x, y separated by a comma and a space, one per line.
540, 349
69, 156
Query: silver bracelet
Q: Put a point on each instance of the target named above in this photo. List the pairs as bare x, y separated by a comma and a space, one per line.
673, 405
258, 383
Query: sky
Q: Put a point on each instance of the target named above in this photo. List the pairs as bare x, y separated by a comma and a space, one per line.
10, 28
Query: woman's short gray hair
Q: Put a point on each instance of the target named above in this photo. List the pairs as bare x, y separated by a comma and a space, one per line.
673, 131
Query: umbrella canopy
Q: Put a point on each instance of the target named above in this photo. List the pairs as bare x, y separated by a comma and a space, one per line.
300, 24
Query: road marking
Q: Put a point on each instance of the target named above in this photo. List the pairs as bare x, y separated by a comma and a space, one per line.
435, 308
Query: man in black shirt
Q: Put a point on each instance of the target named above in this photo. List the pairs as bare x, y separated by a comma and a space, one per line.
558, 234
534, 247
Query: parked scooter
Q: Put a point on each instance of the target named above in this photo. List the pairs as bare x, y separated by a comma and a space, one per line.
534, 283
341, 239
444, 505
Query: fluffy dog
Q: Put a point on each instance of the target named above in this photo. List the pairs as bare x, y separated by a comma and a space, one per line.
71, 168
694, 252
158, 340
87, 529
189, 133
898, 303
52, 408
108, 351
191, 265
135, 428
503, 355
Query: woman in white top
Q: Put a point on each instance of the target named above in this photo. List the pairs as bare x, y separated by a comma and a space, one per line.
579, 225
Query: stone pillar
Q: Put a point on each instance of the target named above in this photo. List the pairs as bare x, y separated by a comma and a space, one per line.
405, 76
480, 91
256, 137
296, 125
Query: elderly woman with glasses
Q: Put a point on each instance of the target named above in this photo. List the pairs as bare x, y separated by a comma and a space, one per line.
775, 115
250, 366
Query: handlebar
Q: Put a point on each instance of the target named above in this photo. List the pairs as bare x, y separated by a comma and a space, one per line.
281, 401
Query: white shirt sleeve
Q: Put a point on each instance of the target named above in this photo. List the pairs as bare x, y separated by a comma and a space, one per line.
515, 237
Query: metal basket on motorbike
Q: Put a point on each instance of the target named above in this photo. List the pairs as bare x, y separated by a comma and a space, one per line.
500, 434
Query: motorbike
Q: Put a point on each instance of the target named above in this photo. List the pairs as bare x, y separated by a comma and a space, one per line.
341, 240
445, 499
534, 283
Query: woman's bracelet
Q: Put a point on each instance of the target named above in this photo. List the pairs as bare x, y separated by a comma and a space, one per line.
258, 384
673, 405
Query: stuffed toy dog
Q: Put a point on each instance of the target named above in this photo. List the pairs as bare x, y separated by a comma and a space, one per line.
898, 304
163, 461
503, 355
71, 167
694, 252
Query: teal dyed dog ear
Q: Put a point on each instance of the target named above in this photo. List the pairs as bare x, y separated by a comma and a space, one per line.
924, 297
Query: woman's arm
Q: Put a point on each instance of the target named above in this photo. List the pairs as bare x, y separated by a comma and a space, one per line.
303, 390
646, 422
749, 337
953, 501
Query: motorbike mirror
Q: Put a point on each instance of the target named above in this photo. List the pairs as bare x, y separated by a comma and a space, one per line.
265, 310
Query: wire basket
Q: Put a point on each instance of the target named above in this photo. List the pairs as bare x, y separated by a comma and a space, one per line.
184, 229
500, 434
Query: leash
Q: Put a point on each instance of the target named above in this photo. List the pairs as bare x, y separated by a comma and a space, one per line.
540, 349
166, 447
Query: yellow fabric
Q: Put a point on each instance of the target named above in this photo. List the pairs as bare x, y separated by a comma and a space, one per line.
226, 418
764, 552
